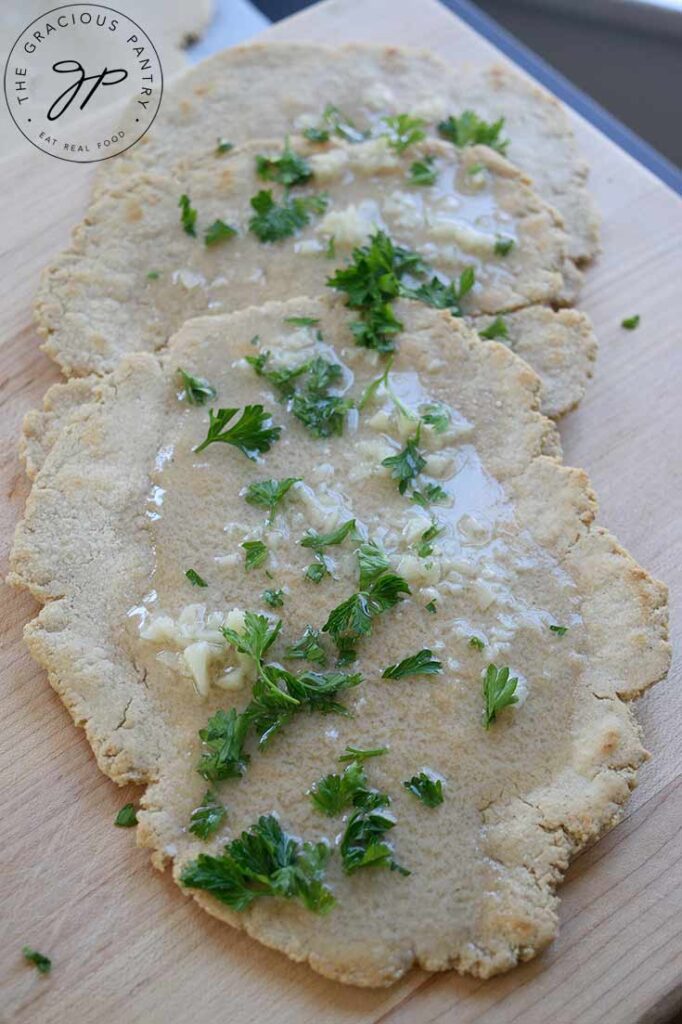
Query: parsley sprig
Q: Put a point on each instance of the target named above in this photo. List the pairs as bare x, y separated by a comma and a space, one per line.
426, 787
41, 962
253, 433
288, 169
420, 664
313, 404
335, 122
272, 221
196, 390
497, 328
499, 692
207, 818
320, 541
469, 130
188, 215
406, 466
403, 131
264, 861
380, 590
423, 172
224, 737
371, 281
269, 493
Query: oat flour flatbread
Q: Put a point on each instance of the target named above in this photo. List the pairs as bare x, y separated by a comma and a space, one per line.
274, 88
133, 275
122, 507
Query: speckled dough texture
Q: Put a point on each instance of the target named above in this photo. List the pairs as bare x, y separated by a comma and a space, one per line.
520, 799
265, 89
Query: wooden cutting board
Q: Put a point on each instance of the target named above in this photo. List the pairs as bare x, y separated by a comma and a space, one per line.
127, 945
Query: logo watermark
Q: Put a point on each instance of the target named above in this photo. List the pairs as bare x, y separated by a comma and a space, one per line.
83, 82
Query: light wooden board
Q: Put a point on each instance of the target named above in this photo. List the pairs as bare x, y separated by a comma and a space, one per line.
127, 946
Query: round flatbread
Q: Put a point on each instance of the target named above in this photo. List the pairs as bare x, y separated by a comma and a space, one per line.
139, 266
275, 88
473, 512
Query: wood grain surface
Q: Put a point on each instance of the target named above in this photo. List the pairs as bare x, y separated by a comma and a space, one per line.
127, 946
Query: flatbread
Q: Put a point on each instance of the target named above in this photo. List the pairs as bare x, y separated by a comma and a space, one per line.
274, 88
560, 345
122, 507
97, 301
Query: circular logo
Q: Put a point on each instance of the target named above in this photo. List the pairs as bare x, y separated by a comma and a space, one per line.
83, 82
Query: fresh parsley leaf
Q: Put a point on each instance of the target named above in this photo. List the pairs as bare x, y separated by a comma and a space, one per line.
322, 414
207, 818
407, 465
224, 737
320, 541
316, 134
469, 130
288, 169
197, 391
195, 579
476, 643
425, 547
375, 271
256, 554
372, 563
223, 146
283, 379
332, 794
404, 131
188, 215
423, 172
363, 844
499, 692
153, 275
631, 323
126, 817
444, 296
318, 569
475, 169
421, 664
43, 963
301, 321
264, 861
218, 232
308, 647
436, 415
330, 251
269, 493
496, 329
503, 246
358, 754
431, 607
335, 122
272, 221
559, 630
256, 637
431, 495
275, 598
426, 787
278, 695
252, 433
352, 619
